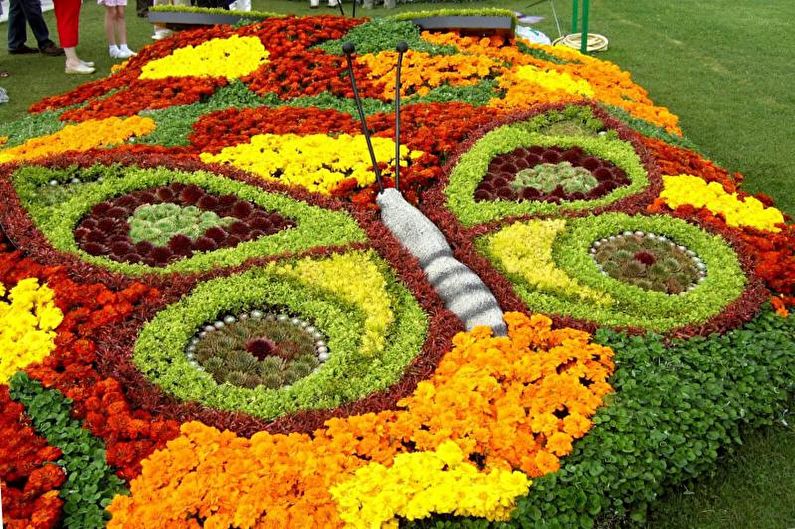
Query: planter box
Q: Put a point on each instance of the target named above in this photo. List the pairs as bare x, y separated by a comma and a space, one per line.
468, 24
176, 18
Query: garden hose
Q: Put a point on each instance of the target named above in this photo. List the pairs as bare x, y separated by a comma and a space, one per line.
596, 42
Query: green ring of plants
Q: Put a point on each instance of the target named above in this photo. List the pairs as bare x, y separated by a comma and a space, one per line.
314, 226
472, 167
348, 375
632, 305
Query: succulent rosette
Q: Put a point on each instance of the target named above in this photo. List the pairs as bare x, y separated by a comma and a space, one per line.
206, 323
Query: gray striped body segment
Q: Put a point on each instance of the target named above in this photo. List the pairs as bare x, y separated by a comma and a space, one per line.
462, 291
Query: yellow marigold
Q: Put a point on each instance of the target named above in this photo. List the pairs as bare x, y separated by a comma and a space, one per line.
91, 134
422, 483
28, 317
691, 190
422, 72
317, 162
3, 140
524, 250
356, 279
232, 58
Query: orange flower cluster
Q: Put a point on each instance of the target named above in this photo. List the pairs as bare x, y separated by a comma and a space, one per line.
611, 85
81, 137
422, 72
514, 402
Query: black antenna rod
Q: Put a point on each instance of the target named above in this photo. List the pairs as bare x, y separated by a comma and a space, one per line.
348, 49
354, 8
402, 47
339, 4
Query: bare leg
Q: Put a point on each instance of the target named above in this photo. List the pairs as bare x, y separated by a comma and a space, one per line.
110, 23
121, 26
72, 60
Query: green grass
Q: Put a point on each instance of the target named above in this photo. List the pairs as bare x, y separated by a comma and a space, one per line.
724, 68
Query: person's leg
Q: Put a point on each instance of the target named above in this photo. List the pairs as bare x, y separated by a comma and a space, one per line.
121, 28
32, 11
142, 7
17, 28
110, 30
67, 15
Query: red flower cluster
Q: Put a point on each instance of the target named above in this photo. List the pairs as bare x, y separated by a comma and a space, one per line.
233, 126
150, 94
309, 73
28, 476
283, 36
129, 435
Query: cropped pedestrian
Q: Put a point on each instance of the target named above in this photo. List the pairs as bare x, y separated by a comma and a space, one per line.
67, 16
22, 13
116, 28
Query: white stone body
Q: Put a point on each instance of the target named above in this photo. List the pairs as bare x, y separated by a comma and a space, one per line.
462, 291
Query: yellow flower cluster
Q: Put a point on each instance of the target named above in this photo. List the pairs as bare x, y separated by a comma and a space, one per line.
83, 136
356, 279
316, 162
419, 484
691, 190
524, 249
422, 72
231, 58
28, 317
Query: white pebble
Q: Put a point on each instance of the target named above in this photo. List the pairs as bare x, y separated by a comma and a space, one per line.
283, 317
311, 329
219, 324
256, 314
209, 328
295, 321
230, 319
202, 334
322, 349
53, 182
244, 316
320, 343
323, 357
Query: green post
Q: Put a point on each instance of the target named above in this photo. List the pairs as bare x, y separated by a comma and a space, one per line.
584, 38
574, 15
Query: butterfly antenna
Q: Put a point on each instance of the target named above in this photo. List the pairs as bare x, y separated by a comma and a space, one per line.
402, 47
348, 49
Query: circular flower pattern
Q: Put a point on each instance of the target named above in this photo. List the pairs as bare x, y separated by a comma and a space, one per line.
258, 349
649, 261
551, 174
207, 324
158, 226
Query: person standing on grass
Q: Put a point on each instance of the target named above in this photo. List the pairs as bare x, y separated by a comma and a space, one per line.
116, 28
28, 12
67, 16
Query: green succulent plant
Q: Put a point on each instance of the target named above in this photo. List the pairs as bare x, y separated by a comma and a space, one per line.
546, 177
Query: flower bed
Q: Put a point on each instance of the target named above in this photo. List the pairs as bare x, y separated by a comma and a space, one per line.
205, 322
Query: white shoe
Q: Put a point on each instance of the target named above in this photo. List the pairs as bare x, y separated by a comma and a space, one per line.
114, 52
90, 64
125, 52
161, 34
79, 69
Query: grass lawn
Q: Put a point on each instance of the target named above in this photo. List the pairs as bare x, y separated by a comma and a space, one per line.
718, 64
